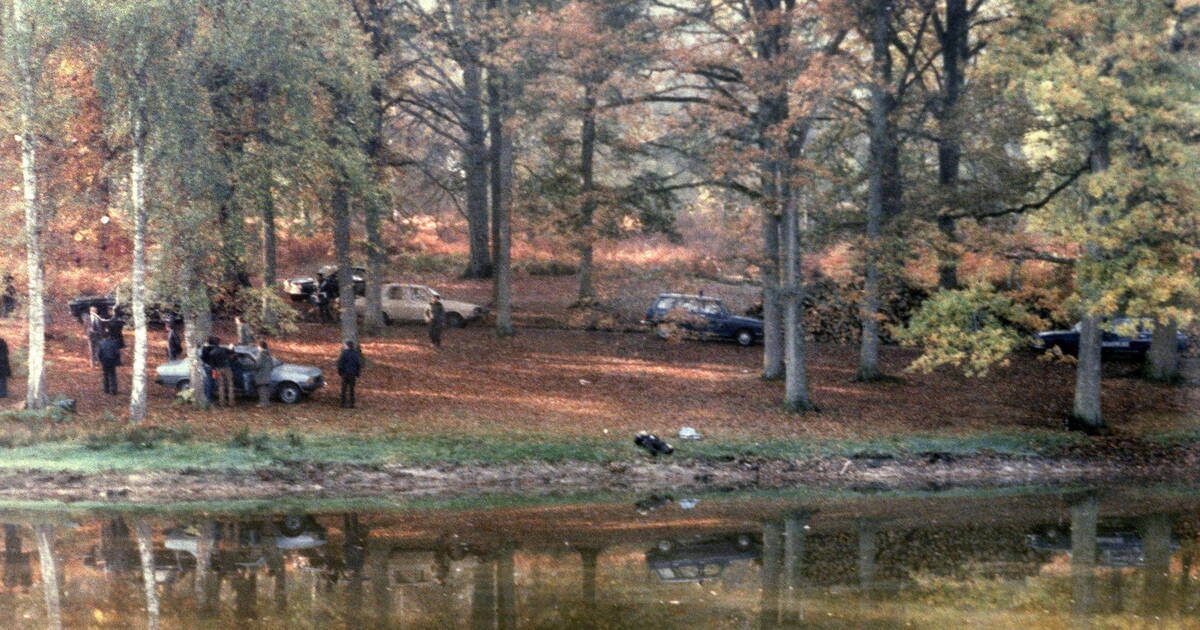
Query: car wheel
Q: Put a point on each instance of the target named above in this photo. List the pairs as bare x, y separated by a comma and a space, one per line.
182, 385
293, 524
289, 393
744, 337
454, 320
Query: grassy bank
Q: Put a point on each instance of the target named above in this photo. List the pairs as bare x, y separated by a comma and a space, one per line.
151, 448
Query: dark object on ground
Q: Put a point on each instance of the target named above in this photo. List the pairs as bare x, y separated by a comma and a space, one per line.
653, 444
67, 404
1113, 344
700, 316
700, 560
302, 288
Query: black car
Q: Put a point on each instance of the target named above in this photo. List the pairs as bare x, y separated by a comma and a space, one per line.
700, 560
1115, 546
107, 306
1115, 342
302, 288
700, 316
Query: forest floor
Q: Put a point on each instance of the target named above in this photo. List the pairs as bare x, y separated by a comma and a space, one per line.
551, 396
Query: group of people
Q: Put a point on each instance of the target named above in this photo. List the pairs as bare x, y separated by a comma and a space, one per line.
223, 372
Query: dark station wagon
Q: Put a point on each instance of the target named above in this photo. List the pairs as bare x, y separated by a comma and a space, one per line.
1120, 338
700, 316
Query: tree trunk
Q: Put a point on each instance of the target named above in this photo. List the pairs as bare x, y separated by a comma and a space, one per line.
773, 336
197, 323
145, 544
137, 193
506, 590
48, 563
341, 245
1086, 412
270, 320
796, 396
373, 211
21, 34
1087, 375
1162, 364
587, 190
483, 596
1085, 517
772, 572
882, 192
475, 163
954, 52
793, 565
503, 221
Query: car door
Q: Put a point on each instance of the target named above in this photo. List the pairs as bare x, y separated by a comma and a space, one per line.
393, 295
714, 317
413, 309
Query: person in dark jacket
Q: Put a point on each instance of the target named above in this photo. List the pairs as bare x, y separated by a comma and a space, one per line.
349, 367
110, 357
94, 326
116, 330
5, 371
327, 290
174, 343
9, 298
437, 321
210, 381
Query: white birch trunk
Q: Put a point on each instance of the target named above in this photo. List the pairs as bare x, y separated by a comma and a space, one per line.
146, 550
1086, 409
44, 533
137, 191
22, 34
795, 396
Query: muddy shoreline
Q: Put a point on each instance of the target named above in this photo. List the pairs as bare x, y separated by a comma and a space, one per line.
930, 472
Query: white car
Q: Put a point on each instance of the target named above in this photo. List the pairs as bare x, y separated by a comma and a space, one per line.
410, 303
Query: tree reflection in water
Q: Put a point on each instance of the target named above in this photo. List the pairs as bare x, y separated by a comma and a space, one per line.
845, 562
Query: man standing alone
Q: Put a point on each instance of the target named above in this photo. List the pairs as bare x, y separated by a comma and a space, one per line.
109, 355
5, 370
437, 321
263, 366
174, 343
349, 367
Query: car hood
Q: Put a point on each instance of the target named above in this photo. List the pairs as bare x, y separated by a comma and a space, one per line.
456, 305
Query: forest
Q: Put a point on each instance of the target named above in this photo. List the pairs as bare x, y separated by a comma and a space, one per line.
949, 175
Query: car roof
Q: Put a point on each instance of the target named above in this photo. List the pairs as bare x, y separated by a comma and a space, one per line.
688, 296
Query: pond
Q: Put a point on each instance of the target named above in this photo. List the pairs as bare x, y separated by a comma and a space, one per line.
1034, 558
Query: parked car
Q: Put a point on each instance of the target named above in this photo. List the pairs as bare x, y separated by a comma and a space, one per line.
290, 382
1115, 546
410, 303
701, 316
107, 305
700, 560
301, 288
1115, 343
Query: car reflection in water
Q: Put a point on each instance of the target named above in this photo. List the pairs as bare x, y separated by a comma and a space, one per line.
1115, 547
676, 561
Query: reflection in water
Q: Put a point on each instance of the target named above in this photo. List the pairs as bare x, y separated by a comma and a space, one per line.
1080, 560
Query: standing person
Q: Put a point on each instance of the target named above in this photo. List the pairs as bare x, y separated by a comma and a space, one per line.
349, 367
210, 381
263, 367
437, 320
94, 327
218, 359
116, 330
110, 357
245, 334
327, 288
5, 371
10, 297
174, 343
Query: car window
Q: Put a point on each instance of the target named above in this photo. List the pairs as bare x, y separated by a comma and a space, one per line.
710, 307
396, 293
712, 570
665, 304
416, 294
690, 305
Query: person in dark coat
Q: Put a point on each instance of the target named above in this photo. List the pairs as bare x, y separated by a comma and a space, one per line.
349, 367
5, 370
110, 357
437, 321
9, 298
210, 381
327, 289
221, 360
94, 327
116, 330
174, 343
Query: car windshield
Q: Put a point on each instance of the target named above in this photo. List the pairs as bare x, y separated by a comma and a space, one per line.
665, 304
